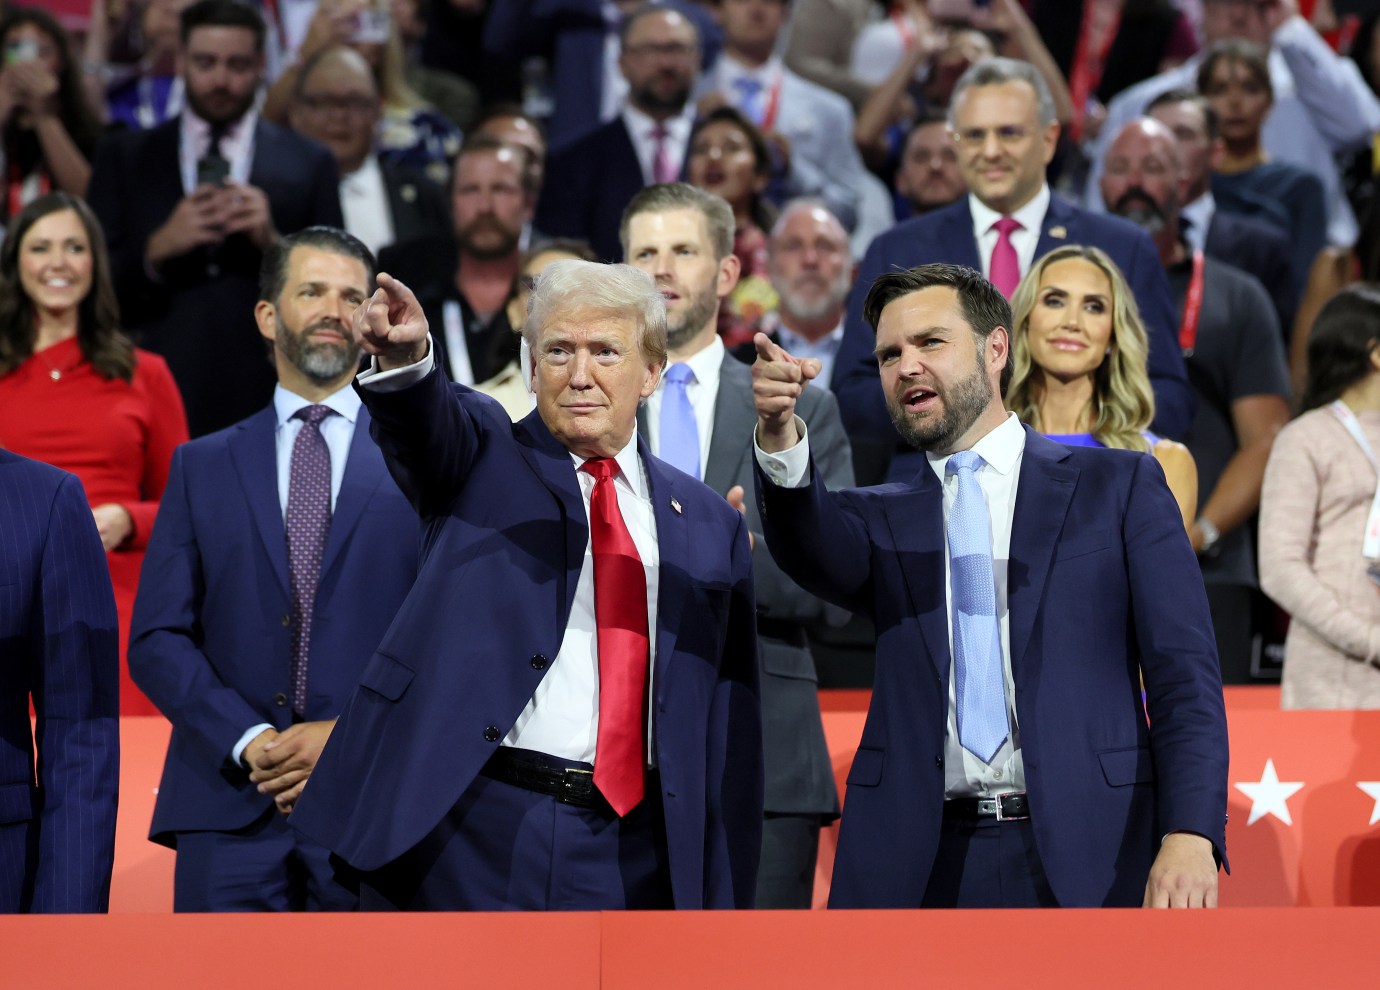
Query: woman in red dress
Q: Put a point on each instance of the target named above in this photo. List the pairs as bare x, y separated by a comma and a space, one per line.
74, 392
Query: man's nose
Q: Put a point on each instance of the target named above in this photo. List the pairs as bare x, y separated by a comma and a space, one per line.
579, 369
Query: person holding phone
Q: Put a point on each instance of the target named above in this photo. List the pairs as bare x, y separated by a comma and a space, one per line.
48, 129
216, 188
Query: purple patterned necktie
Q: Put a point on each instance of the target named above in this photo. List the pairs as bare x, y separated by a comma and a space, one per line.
308, 521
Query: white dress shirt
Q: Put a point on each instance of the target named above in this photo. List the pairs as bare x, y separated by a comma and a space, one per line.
339, 432
562, 719
703, 393
364, 202
1199, 216
677, 140
1031, 217
823, 350
237, 146
1002, 449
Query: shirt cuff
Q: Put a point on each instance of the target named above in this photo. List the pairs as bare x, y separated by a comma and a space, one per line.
789, 468
237, 754
399, 378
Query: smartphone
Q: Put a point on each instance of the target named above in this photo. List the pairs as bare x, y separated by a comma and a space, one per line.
21, 50
212, 170
371, 27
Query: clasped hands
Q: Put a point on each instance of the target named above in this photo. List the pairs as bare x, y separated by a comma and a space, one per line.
280, 762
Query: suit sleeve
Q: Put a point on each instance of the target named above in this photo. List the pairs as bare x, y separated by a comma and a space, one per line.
1178, 660
779, 597
1174, 398
76, 701
733, 769
166, 658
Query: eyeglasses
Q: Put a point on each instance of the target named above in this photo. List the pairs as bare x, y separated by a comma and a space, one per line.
669, 50
973, 138
356, 106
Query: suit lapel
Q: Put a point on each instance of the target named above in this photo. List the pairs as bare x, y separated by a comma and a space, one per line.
254, 455
735, 417
364, 472
1042, 502
552, 465
916, 521
954, 236
1059, 228
672, 548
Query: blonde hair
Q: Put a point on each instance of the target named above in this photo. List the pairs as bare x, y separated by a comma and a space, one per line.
1123, 403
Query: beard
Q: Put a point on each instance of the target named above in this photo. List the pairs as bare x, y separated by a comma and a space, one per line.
1140, 208
651, 100
963, 402
218, 106
321, 361
805, 306
488, 238
682, 328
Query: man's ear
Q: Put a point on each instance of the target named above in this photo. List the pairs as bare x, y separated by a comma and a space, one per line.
266, 316
730, 268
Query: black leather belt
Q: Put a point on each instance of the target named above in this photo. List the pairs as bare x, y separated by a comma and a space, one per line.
566, 781
1004, 808
789, 632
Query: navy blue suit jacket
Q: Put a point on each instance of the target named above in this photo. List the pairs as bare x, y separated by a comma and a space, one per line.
59, 641
570, 34
1258, 249
506, 533
210, 641
199, 314
1102, 588
946, 235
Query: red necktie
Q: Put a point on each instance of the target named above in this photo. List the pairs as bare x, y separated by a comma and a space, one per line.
620, 610
1005, 269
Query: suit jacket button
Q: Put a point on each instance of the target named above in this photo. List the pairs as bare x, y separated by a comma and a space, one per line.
286, 619
538, 662
939, 761
280, 699
491, 734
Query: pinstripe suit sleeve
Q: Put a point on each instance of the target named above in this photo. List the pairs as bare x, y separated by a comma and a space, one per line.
75, 684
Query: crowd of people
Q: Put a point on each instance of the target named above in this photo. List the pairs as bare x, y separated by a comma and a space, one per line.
649, 299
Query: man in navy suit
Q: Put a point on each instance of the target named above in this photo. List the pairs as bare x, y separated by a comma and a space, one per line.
59, 640
1021, 590
590, 181
190, 207
1003, 121
247, 631
565, 714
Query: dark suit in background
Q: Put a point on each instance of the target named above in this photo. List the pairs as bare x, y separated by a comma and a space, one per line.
417, 205
211, 642
198, 312
59, 643
946, 235
1257, 249
800, 790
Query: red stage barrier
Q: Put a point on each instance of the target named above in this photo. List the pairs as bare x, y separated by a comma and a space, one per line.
1314, 840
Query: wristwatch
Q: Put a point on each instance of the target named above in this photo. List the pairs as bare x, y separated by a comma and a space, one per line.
1211, 534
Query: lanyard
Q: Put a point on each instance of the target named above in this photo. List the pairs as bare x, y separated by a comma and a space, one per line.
25, 189
1088, 64
903, 28
1370, 546
1193, 307
768, 122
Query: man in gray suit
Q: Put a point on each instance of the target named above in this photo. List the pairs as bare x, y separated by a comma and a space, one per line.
816, 123
701, 420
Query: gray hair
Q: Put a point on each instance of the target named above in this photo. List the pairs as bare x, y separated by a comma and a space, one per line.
805, 204
667, 196
998, 70
571, 285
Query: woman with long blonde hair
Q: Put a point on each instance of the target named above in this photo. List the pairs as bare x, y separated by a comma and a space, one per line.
1079, 352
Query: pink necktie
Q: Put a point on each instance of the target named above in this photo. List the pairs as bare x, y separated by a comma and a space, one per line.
661, 164
1005, 270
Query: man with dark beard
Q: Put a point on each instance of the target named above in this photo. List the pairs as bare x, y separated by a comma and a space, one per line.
1235, 358
247, 632
464, 283
591, 180
190, 207
1020, 590
700, 419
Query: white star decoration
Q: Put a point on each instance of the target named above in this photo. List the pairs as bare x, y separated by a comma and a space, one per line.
1270, 796
1372, 789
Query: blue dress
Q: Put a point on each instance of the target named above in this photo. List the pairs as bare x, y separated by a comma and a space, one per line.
1088, 440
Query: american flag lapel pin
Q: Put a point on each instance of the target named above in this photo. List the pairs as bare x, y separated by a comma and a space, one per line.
675, 506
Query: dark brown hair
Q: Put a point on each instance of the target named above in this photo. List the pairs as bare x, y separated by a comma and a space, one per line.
1340, 343
98, 316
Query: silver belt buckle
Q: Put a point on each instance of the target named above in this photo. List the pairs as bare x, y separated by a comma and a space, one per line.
989, 807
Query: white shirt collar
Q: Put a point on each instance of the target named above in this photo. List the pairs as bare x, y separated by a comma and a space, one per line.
640, 125
1031, 216
343, 400
629, 467
1199, 215
1000, 448
366, 177
705, 362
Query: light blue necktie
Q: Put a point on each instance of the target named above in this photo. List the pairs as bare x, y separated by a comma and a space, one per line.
680, 434
749, 98
977, 637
